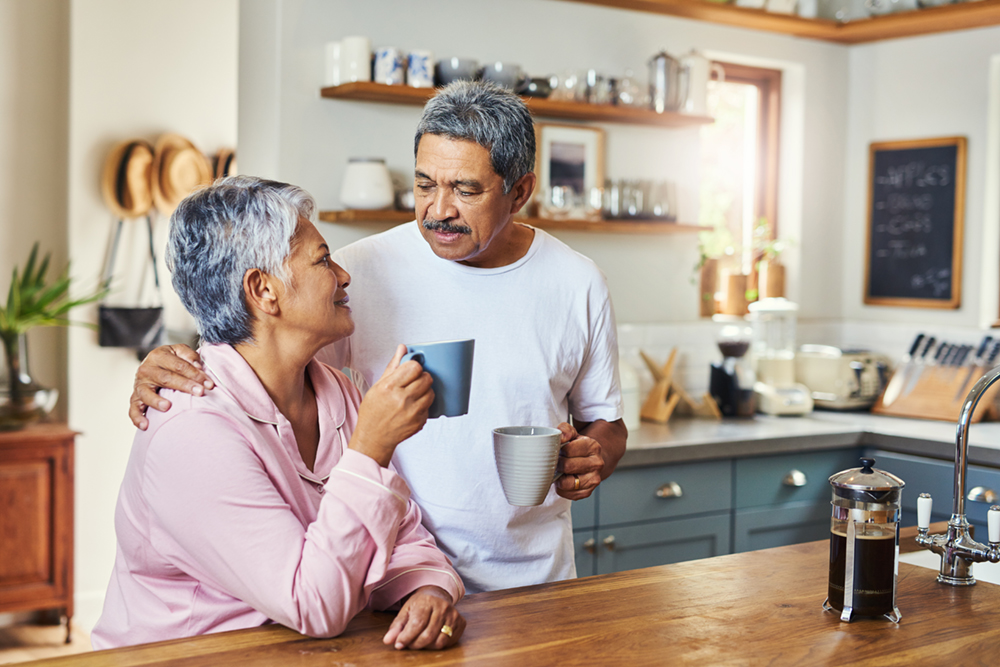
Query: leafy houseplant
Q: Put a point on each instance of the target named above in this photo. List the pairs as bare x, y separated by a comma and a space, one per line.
770, 272
31, 302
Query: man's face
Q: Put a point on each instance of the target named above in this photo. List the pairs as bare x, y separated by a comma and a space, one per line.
463, 213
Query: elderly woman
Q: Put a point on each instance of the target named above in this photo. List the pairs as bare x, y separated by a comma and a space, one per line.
271, 498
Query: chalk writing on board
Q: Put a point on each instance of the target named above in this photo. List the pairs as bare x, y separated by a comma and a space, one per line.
912, 221
938, 280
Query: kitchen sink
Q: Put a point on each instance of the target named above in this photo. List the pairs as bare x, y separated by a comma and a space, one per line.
988, 572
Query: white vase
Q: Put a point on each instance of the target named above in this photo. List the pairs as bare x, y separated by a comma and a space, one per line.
367, 184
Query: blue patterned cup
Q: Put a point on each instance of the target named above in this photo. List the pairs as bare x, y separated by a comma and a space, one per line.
389, 66
420, 69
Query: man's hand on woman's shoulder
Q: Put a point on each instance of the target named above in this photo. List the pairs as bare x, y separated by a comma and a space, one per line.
175, 367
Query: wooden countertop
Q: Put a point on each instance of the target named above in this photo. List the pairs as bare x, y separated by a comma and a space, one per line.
760, 607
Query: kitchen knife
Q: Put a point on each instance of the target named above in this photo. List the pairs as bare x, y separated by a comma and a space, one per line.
959, 361
990, 361
917, 367
899, 377
945, 356
977, 363
952, 360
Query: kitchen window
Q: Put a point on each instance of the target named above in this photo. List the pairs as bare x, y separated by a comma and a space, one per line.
739, 161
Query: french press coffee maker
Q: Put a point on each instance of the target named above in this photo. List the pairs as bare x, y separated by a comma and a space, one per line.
864, 543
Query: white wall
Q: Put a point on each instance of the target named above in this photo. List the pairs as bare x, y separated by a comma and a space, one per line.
34, 58
931, 86
307, 140
137, 68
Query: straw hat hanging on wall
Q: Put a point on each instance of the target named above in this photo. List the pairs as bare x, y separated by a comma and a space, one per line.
178, 169
225, 163
125, 181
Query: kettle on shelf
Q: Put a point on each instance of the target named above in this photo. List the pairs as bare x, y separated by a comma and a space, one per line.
668, 82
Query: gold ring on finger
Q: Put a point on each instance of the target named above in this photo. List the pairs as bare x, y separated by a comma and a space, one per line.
576, 482
447, 630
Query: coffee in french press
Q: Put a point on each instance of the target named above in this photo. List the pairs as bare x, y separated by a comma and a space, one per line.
864, 543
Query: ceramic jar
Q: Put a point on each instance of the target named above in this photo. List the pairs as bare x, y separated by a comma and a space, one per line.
367, 184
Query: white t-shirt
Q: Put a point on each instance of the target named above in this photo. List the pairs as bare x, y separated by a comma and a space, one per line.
546, 348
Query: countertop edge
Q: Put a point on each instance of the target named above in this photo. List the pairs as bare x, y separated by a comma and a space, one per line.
688, 440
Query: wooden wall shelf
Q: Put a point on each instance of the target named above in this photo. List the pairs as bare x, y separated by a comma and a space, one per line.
605, 226
366, 91
359, 215
960, 16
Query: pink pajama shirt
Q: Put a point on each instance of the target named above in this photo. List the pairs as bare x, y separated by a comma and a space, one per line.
221, 526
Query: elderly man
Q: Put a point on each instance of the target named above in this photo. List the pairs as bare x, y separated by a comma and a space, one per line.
541, 315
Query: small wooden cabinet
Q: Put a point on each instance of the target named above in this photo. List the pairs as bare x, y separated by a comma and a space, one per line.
36, 520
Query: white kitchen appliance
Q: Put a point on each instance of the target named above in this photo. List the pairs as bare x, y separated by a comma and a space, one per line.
773, 355
841, 379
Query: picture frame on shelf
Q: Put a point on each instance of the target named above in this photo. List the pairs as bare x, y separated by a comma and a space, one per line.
569, 165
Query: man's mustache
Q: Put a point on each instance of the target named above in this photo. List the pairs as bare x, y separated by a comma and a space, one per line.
430, 224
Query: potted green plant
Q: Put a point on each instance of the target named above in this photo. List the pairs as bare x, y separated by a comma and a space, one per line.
713, 244
32, 302
770, 271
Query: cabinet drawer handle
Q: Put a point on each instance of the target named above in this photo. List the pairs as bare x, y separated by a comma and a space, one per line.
590, 546
670, 490
981, 494
609, 542
795, 478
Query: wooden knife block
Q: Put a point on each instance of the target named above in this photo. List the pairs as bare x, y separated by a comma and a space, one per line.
933, 397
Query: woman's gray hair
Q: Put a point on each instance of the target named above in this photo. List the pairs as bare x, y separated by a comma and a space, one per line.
219, 233
491, 116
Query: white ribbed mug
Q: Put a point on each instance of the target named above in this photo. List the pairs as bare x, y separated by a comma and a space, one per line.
526, 458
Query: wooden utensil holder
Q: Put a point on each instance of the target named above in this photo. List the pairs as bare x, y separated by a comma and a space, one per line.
667, 395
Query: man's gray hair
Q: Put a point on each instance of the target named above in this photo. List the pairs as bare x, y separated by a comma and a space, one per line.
491, 116
219, 233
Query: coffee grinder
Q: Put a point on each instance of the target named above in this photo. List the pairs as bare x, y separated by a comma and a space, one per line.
731, 381
773, 355
864, 543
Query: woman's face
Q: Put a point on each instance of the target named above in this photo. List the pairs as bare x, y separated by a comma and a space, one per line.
314, 304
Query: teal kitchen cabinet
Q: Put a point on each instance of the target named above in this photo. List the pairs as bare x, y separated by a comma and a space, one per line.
647, 516
785, 499
662, 514
936, 477
631, 547
584, 514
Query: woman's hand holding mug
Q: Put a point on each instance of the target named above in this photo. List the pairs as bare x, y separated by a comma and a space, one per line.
393, 409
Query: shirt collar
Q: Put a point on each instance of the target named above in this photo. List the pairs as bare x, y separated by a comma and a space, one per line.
233, 374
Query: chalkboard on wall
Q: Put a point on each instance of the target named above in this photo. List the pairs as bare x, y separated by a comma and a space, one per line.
916, 208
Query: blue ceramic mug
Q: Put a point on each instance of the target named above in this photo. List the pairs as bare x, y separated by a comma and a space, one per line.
450, 364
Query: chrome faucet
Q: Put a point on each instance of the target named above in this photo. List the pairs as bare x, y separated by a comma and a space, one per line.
957, 548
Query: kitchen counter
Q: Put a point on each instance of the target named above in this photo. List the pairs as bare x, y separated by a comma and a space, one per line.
758, 607
688, 439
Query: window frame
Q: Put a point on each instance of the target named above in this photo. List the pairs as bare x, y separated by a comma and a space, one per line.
768, 84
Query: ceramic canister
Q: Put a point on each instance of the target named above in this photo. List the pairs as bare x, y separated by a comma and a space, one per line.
333, 74
355, 59
367, 184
